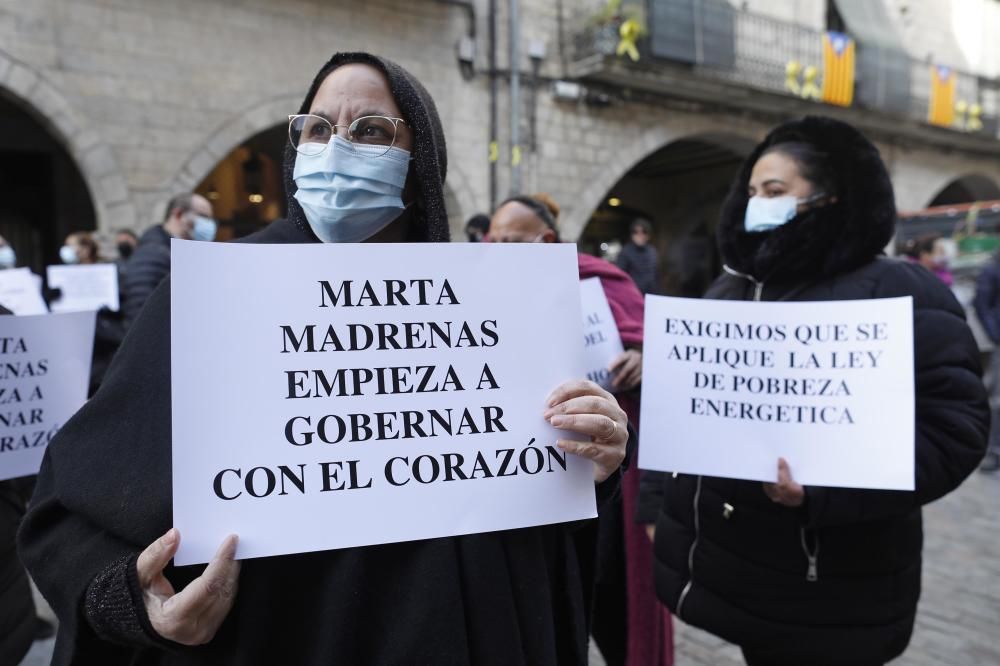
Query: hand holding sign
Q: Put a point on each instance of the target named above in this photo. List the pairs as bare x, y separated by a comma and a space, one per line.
585, 408
193, 615
786, 491
626, 370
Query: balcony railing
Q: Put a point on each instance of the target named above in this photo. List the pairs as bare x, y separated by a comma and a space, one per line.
716, 42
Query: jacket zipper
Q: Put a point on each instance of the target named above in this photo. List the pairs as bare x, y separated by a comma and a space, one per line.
812, 556
694, 544
758, 285
812, 573
758, 292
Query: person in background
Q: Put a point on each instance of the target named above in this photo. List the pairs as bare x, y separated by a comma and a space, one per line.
365, 162
629, 625
8, 258
805, 574
80, 248
930, 252
125, 242
188, 216
476, 227
639, 258
987, 305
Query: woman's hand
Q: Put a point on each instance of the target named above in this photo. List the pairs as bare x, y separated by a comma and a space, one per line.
193, 615
785, 492
585, 408
627, 370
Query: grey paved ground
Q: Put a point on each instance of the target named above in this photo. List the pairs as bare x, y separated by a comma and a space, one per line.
959, 619
958, 623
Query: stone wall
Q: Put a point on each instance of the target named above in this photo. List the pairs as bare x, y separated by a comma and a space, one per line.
148, 96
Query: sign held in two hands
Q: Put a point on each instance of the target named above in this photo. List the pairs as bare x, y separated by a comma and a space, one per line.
365, 394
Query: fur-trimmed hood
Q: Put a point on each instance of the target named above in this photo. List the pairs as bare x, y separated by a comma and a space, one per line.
825, 241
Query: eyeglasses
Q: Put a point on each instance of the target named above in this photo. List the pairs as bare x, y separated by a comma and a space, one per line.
310, 135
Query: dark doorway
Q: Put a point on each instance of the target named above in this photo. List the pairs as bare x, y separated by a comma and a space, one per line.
966, 189
679, 189
246, 188
43, 197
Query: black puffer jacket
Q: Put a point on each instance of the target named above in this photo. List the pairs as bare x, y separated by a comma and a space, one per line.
147, 267
746, 577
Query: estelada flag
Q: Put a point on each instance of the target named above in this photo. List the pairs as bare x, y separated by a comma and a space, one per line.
941, 110
838, 69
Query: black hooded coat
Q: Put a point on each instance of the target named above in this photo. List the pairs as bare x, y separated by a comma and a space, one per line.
743, 573
104, 494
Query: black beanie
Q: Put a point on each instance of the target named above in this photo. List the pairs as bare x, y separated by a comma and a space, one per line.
430, 159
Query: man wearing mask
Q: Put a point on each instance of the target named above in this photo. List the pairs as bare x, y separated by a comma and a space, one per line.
125, 241
189, 216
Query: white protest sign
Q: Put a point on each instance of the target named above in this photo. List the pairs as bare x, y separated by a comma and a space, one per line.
728, 387
21, 292
601, 342
89, 287
44, 375
327, 396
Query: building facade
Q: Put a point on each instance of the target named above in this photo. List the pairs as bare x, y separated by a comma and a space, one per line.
108, 107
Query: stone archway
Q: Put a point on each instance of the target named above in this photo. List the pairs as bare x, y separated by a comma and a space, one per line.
226, 137
592, 193
678, 188
970, 187
40, 97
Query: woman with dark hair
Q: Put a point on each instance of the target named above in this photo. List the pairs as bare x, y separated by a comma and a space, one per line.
80, 248
929, 251
365, 162
810, 575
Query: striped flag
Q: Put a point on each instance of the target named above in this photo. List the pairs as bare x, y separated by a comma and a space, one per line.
941, 110
838, 69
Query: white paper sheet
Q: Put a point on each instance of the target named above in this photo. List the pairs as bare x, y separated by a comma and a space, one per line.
44, 375
728, 387
21, 292
85, 287
601, 342
235, 424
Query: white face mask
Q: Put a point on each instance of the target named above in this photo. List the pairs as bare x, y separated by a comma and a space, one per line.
7, 257
68, 255
348, 197
764, 214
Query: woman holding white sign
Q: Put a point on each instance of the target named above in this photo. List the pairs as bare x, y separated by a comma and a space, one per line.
811, 575
365, 162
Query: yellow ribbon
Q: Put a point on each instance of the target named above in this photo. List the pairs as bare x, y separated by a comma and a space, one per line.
629, 32
792, 71
974, 124
494, 151
515, 155
810, 89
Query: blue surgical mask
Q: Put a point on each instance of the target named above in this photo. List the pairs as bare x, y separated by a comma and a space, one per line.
204, 228
68, 255
349, 192
764, 214
7, 257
